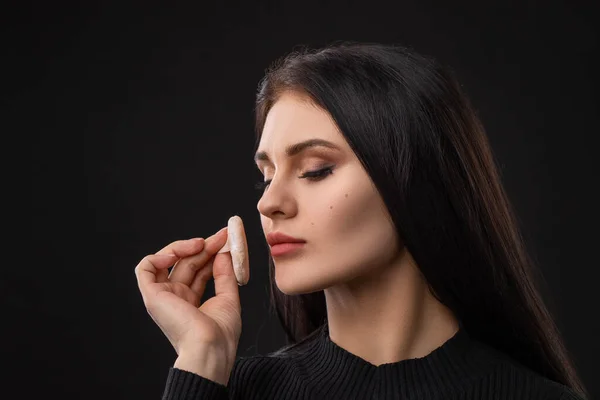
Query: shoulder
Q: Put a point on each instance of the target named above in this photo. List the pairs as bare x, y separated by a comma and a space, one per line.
536, 384
520, 382
556, 391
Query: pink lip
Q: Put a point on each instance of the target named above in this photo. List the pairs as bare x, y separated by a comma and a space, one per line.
285, 248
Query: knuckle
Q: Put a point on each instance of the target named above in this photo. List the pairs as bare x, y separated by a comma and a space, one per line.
194, 265
144, 261
140, 264
138, 269
176, 243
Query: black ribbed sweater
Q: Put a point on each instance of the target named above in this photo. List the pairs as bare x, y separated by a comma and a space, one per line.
461, 368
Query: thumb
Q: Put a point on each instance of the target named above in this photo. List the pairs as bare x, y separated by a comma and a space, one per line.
224, 277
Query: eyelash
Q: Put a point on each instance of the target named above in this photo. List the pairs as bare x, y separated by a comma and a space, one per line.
311, 175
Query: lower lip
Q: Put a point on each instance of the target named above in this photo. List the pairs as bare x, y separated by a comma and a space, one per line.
285, 248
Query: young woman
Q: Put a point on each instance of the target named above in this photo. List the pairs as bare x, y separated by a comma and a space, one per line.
408, 277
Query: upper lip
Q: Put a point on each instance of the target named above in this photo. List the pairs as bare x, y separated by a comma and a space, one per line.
274, 238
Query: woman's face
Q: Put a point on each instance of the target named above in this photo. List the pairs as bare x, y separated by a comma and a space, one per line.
342, 218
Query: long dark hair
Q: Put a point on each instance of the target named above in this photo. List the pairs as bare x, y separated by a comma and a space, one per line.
408, 121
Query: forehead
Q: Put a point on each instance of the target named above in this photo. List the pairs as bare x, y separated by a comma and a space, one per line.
294, 118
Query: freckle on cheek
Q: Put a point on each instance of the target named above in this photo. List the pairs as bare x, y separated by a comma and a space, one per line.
346, 194
330, 207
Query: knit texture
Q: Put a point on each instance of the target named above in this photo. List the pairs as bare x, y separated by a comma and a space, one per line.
461, 368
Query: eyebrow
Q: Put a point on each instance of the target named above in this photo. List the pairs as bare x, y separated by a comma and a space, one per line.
297, 148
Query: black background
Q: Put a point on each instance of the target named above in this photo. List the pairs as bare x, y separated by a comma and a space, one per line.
138, 125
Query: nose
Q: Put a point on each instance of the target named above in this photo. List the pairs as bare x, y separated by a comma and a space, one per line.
276, 199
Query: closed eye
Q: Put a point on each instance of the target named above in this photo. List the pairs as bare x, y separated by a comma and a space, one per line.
310, 175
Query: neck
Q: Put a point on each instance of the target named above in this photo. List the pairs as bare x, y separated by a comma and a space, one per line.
389, 316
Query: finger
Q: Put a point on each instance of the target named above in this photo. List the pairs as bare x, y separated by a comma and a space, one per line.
162, 275
183, 248
225, 281
202, 277
147, 270
185, 270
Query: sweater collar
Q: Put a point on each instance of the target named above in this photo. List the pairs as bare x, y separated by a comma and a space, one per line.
456, 362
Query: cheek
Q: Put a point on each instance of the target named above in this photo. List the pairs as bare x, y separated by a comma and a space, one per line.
351, 235
356, 229
342, 206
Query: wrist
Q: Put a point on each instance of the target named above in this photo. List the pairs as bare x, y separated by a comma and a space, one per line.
208, 363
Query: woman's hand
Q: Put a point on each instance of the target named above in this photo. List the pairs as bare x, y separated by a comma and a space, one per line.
173, 300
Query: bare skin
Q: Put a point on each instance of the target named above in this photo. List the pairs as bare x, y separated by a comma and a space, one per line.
378, 304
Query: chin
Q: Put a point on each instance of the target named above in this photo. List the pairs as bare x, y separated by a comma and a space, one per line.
293, 287
292, 284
